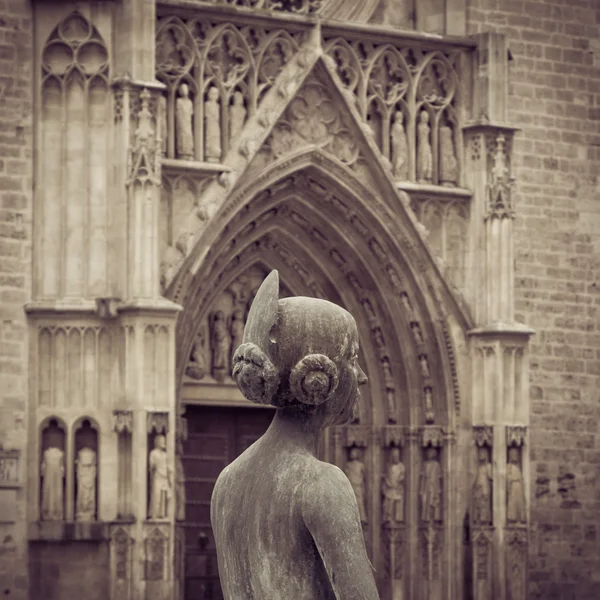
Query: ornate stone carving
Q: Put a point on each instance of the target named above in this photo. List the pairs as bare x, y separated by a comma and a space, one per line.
515, 435
516, 511
430, 487
122, 421
424, 152
390, 390
500, 183
196, 368
482, 488
399, 147
121, 546
158, 422
392, 489
10, 468
155, 549
237, 116
428, 402
221, 345
160, 480
355, 471
516, 563
483, 435
448, 161
144, 154
86, 471
53, 474
184, 133
212, 126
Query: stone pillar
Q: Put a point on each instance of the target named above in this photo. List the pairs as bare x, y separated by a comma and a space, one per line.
102, 338
498, 343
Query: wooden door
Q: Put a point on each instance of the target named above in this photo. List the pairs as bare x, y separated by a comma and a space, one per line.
216, 436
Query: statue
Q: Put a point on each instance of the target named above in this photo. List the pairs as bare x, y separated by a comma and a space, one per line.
220, 346
424, 366
237, 116
196, 368
392, 488
448, 162
179, 489
237, 330
160, 480
184, 113
85, 467
355, 472
424, 155
515, 489
299, 355
162, 123
53, 474
482, 489
212, 127
430, 488
399, 147
390, 389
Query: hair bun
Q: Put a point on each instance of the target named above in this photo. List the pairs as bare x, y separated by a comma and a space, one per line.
255, 374
314, 379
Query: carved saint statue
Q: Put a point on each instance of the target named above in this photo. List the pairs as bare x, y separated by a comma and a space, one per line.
515, 489
85, 467
390, 388
482, 489
392, 488
355, 472
212, 127
430, 488
448, 162
237, 116
237, 330
53, 473
179, 489
399, 147
184, 113
160, 479
196, 368
424, 364
220, 346
424, 154
429, 412
162, 123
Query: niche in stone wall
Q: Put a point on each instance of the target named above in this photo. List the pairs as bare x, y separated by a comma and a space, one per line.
220, 332
52, 469
86, 470
73, 171
160, 480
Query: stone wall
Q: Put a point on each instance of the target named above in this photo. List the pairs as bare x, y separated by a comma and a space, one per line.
16, 54
555, 99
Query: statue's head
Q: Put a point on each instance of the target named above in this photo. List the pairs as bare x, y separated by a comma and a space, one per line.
160, 442
395, 455
513, 455
299, 352
213, 93
184, 90
431, 453
483, 454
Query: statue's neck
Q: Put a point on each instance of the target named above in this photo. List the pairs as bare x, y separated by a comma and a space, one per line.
294, 427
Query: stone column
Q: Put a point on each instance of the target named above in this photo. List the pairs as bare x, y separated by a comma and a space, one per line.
498, 343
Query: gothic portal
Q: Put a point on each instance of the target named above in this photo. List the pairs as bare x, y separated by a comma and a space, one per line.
185, 151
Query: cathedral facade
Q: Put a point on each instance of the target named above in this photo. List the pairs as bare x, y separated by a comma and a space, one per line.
431, 166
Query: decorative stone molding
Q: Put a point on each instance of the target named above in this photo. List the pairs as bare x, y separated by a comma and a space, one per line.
515, 436
483, 435
122, 421
157, 423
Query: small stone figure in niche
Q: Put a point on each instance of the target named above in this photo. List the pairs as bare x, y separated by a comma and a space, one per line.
221, 343
430, 488
184, 113
237, 116
160, 479
482, 489
196, 368
392, 488
162, 123
424, 154
399, 147
53, 474
390, 389
299, 355
515, 488
237, 330
416, 329
212, 127
355, 472
85, 467
448, 162
424, 364
429, 412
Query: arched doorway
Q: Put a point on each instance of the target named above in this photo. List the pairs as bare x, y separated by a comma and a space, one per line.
332, 237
